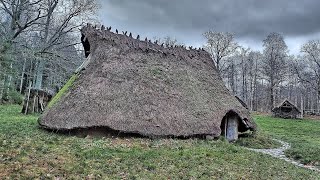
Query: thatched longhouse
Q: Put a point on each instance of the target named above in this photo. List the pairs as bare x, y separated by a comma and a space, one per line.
133, 86
286, 109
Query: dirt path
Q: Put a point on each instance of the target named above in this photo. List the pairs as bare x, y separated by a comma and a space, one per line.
279, 153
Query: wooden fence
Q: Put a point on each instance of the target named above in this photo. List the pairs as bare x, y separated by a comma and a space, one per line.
312, 112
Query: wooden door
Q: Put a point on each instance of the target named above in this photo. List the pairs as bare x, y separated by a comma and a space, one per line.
232, 128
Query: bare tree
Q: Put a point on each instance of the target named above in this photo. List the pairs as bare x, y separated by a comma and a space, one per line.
39, 41
312, 55
254, 75
244, 64
18, 16
59, 29
307, 68
274, 63
23, 15
231, 74
220, 45
242, 75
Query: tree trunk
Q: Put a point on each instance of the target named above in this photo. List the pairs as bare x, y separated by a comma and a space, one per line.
22, 75
9, 79
302, 108
7, 85
251, 95
262, 100
39, 74
243, 80
271, 98
255, 96
296, 91
232, 78
28, 99
279, 94
311, 102
317, 104
2, 83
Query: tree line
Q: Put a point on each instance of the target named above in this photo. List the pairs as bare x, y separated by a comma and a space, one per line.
39, 44
264, 79
40, 48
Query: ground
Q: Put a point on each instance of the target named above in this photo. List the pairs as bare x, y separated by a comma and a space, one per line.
29, 152
303, 135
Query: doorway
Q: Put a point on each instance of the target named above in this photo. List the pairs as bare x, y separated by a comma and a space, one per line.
230, 126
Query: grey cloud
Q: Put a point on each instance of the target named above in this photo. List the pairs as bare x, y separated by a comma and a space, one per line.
188, 19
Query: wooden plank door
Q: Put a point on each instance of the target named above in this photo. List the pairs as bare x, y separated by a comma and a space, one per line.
232, 128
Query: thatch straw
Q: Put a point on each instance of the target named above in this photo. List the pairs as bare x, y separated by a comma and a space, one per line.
139, 87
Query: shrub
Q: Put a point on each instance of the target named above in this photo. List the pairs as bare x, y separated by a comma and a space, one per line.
15, 97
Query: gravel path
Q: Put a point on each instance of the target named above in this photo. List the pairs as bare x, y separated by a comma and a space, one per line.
279, 153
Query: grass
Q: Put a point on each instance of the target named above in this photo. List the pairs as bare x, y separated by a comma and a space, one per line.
63, 90
304, 136
258, 140
27, 152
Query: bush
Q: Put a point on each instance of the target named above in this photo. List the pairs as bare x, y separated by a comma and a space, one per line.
15, 97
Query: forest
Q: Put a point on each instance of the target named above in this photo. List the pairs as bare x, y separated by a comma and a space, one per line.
40, 49
40, 45
264, 79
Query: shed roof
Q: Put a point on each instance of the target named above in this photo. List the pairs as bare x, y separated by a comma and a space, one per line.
287, 103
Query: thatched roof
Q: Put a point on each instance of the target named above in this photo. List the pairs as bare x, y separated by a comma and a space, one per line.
242, 102
286, 103
135, 86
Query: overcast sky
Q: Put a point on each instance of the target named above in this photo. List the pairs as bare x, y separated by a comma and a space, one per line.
187, 20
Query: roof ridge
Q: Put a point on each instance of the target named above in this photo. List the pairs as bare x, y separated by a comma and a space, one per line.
129, 42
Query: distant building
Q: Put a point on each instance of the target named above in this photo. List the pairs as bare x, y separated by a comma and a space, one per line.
287, 110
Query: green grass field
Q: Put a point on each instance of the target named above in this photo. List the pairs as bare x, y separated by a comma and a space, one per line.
29, 152
304, 136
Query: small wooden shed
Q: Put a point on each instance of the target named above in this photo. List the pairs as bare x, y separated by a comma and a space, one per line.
36, 100
287, 110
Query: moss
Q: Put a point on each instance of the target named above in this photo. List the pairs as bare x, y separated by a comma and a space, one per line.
63, 91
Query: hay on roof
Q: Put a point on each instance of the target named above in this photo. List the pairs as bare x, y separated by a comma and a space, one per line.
134, 86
